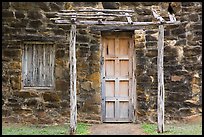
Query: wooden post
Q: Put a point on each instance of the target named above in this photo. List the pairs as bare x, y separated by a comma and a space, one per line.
73, 98
160, 99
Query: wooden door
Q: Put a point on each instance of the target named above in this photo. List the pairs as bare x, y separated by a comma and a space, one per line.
117, 78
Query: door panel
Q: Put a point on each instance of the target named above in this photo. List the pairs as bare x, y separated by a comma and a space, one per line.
124, 109
110, 68
117, 79
123, 89
123, 46
110, 89
110, 47
124, 68
110, 109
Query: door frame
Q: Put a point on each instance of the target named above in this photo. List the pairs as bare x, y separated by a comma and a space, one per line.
133, 102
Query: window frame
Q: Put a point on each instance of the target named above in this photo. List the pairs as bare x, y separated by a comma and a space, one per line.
22, 69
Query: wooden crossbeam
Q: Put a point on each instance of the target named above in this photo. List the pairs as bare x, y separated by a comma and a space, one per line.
116, 23
99, 10
99, 14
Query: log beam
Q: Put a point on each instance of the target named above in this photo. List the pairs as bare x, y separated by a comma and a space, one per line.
117, 23
161, 93
99, 10
73, 97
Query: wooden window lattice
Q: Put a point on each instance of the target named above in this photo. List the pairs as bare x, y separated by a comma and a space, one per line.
38, 65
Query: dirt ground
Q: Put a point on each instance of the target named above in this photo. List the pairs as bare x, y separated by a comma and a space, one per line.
116, 129
131, 128
120, 128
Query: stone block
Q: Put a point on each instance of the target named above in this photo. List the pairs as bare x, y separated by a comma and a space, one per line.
143, 11
29, 118
61, 85
110, 5
15, 65
90, 107
194, 17
150, 44
82, 38
191, 102
152, 53
19, 14
11, 119
5, 5
178, 31
34, 15
33, 101
64, 104
7, 14
95, 79
97, 98
61, 63
196, 80
31, 30
187, 4
94, 47
12, 53
197, 26
52, 105
24, 5
59, 31
51, 97
60, 54
54, 6
196, 89
44, 6
176, 78
61, 73
35, 24
150, 38
181, 42
140, 45
23, 110
15, 83
94, 57
26, 94
6, 112
139, 36
50, 15
192, 51
86, 85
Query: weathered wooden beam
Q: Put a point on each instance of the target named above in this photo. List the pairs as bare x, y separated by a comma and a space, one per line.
161, 92
128, 18
73, 76
99, 14
117, 23
115, 28
98, 10
157, 16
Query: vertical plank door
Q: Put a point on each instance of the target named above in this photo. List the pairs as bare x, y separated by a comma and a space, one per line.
117, 79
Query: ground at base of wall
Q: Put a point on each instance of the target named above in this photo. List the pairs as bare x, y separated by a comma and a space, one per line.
116, 129
189, 123
122, 128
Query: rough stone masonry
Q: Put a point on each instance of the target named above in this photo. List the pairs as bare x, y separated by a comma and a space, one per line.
29, 22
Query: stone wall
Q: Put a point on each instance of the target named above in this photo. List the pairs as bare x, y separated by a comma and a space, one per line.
22, 22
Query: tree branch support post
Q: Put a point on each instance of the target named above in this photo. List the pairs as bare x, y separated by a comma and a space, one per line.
73, 97
160, 98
